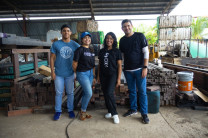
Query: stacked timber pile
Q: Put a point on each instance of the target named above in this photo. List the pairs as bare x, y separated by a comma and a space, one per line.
7, 72
122, 95
33, 92
166, 79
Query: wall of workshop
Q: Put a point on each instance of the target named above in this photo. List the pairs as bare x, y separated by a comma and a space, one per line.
35, 30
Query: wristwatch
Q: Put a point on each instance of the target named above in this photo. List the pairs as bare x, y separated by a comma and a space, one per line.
144, 67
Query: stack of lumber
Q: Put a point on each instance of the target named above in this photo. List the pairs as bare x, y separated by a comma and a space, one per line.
32, 92
24, 94
166, 79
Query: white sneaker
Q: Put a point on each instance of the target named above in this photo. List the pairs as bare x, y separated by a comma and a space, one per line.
108, 115
115, 119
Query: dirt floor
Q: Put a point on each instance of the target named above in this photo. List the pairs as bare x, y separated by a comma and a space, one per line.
170, 122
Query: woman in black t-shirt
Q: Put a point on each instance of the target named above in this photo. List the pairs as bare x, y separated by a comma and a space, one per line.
109, 73
84, 67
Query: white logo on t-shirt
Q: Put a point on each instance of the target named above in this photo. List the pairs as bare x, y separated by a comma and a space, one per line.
66, 52
106, 60
88, 54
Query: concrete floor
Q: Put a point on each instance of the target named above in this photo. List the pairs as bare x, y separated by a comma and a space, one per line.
170, 122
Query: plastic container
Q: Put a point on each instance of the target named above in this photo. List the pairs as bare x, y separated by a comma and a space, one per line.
153, 101
185, 81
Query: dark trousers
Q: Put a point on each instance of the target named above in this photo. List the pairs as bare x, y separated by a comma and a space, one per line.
108, 83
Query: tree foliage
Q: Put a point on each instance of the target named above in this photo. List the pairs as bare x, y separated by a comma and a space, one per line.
198, 25
150, 32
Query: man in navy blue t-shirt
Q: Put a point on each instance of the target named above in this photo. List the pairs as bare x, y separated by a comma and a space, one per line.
135, 50
62, 53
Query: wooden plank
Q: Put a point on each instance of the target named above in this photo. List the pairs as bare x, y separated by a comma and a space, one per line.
201, 95
19, 112
20, 51
23, 78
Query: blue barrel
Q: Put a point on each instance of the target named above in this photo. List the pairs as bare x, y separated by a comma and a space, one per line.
153, 101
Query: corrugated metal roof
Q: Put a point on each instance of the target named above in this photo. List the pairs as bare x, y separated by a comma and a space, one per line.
61, 8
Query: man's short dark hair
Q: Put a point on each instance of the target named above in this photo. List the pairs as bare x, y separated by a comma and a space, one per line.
125, 21
65, 25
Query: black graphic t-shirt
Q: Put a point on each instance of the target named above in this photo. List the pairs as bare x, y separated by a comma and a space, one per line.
132, 48
108, 60
85, 59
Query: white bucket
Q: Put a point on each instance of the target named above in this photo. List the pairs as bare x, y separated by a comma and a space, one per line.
185, 81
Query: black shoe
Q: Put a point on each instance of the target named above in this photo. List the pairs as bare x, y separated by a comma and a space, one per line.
130, 113
145, 119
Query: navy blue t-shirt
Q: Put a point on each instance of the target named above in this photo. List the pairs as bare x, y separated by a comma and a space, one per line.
85, 59
132, 48
64, 56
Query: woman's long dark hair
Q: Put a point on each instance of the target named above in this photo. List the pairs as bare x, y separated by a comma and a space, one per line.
114, 40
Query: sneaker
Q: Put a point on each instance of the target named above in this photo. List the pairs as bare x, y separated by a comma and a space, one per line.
57, 116
145, 119
108, 115
130, 113
71, 114
115, 119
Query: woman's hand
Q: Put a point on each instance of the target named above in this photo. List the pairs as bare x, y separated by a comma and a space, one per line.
98, 80
118, 83
94, 82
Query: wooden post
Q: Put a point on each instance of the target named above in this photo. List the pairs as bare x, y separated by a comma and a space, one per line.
16, 65
26, 57
48, 58
35, 58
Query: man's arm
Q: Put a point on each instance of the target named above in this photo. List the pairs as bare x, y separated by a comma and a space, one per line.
146, 59
52, 60
74, 66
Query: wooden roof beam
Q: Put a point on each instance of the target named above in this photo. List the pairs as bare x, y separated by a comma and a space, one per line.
168, 6
15, 8
92, 11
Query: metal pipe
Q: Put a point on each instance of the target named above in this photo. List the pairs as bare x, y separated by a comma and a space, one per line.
198, 49
173, 47
181, 50
189, 48
206, 49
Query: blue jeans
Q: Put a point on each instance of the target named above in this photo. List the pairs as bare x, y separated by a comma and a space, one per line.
85, 80
134, 79
68, 82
